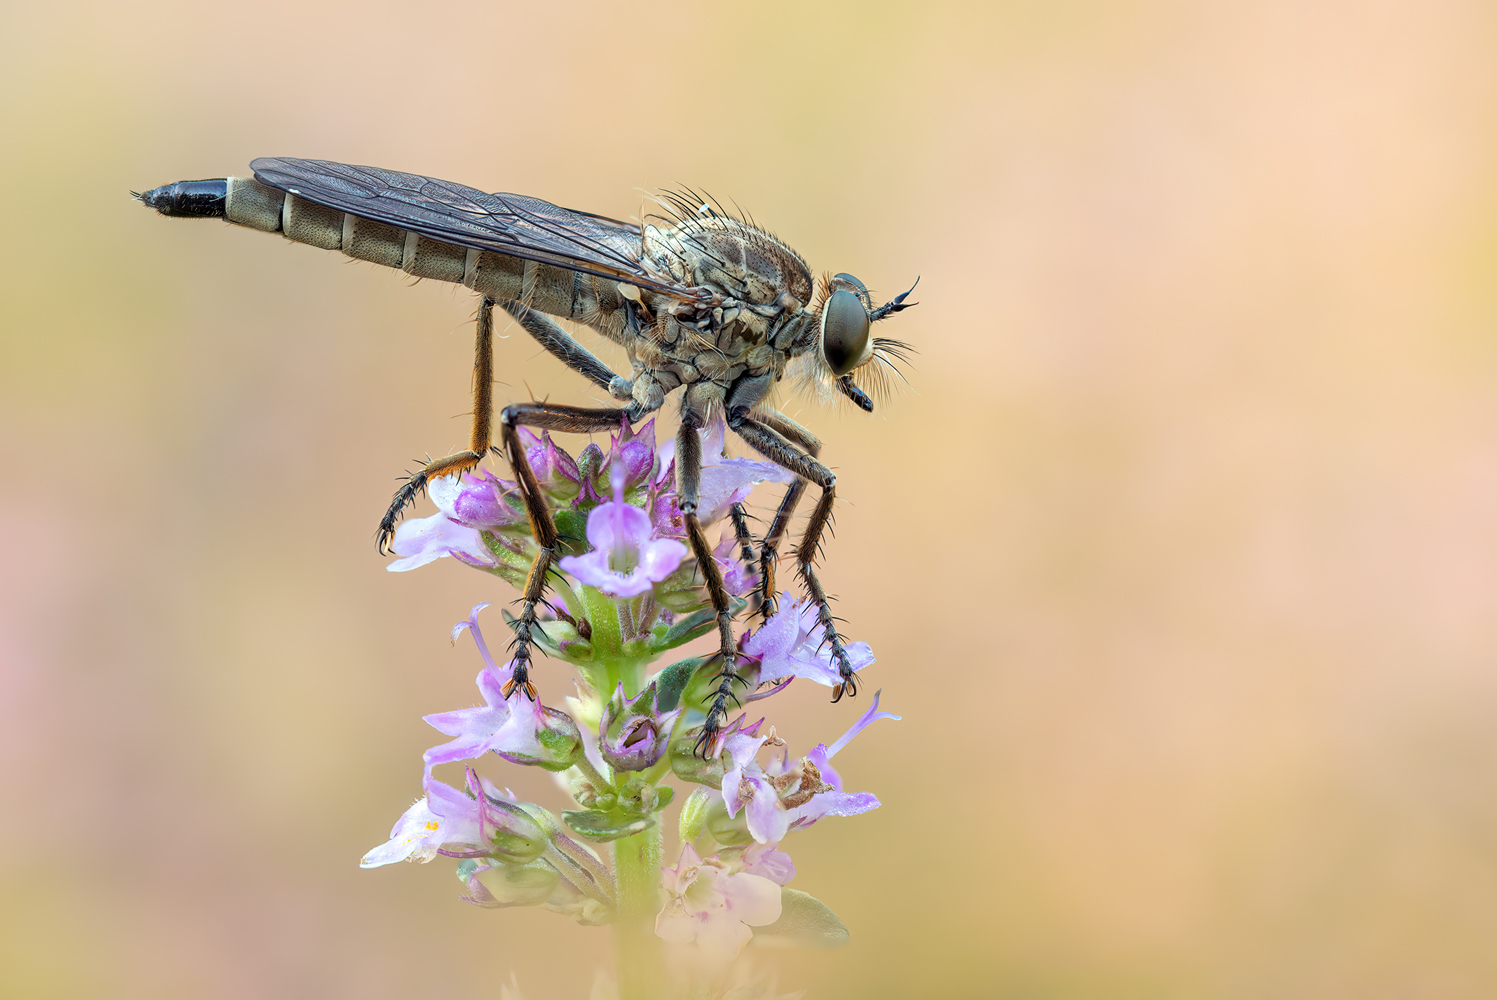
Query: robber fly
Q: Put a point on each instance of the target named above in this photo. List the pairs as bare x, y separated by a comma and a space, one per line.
705, 302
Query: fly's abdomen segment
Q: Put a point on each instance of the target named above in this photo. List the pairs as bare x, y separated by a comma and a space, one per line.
189, 199
244, 201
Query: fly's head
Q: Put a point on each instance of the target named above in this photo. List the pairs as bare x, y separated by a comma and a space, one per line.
846, 343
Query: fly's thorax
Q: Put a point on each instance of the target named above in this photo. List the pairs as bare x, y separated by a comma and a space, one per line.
730, 256
762, 291
752, 266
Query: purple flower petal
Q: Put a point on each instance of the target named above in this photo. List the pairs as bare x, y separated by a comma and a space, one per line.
626, 560
768, 861
790, 644
634, 452
830, 804
725, 481
821, 754
506, 727
867, 719
554, 469
478, 500
419, 541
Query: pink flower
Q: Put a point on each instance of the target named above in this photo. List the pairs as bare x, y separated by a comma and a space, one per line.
420, 540
626, 559
715, 904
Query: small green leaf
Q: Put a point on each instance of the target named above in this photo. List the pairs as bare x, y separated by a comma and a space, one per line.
682, 630
671, 681
600, 826
571, 526
805, 922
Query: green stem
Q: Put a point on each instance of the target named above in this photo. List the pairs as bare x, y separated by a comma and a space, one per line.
592, 774
640, 957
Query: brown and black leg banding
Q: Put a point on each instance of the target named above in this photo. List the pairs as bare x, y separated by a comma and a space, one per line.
689, 471
548, 416
479, 437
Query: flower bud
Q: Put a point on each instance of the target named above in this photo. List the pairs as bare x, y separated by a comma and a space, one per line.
688, 766
636, 458
561, 638
727, 830
633, 735
554, 469
592, 476
694, 814
638, 795
510, 833
513, 885
558, 741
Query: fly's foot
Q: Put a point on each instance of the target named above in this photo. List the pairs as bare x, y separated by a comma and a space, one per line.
830, 637
519, 648
727, 656
414, 486
718, 712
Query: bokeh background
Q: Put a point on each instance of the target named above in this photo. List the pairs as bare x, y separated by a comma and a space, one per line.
1179, 554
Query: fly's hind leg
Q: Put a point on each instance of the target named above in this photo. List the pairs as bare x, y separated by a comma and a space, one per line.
478, 440
781, 440
553, 417
550, 336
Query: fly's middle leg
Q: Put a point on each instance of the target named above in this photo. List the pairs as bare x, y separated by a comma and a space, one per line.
772, 436
548, 416
479, 438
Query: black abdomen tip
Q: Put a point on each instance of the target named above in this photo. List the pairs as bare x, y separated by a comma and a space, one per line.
192, 199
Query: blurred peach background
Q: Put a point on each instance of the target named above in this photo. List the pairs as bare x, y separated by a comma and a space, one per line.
1180, 556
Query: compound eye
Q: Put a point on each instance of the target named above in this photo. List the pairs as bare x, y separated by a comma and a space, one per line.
844, 331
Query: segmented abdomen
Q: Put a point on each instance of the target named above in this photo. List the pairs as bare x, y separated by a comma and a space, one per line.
547, 288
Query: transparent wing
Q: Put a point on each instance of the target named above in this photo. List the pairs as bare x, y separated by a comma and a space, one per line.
510, 224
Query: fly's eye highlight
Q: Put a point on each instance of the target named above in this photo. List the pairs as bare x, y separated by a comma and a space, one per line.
844, 331
852, 284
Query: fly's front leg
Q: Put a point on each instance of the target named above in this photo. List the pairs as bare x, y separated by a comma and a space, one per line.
769, 552
478, 440
689, 471
575, 419
765, 436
